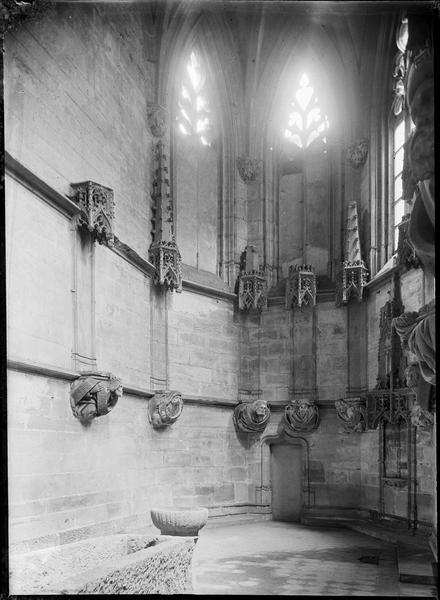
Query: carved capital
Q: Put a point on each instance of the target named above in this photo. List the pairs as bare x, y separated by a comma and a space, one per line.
300, 286
301, 415
357, 153
158, 119
353, 414
165, 256
248, 168
164, 408
97, 209
251, 417
94, 395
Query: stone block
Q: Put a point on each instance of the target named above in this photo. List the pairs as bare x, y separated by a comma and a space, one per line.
224, 493
236, 474
242, 493
316, 471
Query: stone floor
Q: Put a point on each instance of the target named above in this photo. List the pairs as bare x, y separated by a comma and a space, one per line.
273, 558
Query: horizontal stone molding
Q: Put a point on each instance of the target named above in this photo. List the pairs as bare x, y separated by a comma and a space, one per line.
209, 401
323, 296
63, 204
37, 186
206, 290
132, 257
34, 368
382, 278
44, 370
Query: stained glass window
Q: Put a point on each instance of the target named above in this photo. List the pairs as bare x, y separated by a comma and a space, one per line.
194, 113
306, 123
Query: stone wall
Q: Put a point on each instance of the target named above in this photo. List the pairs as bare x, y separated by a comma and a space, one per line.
78, 84
66, 480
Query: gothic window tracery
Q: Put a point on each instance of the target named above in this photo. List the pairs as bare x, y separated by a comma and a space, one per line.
194, 116
307, 124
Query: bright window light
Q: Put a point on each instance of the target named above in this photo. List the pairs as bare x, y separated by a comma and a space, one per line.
305, 124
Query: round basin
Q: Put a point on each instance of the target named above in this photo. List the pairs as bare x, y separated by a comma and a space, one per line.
172, 521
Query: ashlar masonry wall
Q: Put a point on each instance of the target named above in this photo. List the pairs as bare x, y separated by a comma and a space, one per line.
78, 83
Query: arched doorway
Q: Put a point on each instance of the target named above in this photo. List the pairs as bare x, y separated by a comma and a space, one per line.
285, 476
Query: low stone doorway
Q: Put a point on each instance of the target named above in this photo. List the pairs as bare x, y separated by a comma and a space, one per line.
286, 478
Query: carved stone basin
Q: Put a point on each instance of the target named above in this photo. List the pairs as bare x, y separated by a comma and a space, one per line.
184, 522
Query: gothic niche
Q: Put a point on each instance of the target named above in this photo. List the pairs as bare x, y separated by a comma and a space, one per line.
354, 271
157, 117
97, 209
164, 253
94, 395
251, 417
390, 359
352, 413
300, 286
252, 285
357, 153
248, 168
301, 415
164, 408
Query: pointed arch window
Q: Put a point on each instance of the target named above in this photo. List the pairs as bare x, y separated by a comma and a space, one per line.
307, 124
194, 117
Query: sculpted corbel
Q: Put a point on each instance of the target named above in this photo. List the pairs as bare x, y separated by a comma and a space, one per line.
301, 415
251, 417
94, 395
164, 408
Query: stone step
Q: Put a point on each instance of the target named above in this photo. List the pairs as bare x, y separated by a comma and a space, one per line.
391, 534
316, 521
236, 519
416, 565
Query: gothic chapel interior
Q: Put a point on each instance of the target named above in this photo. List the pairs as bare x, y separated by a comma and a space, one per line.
219, 265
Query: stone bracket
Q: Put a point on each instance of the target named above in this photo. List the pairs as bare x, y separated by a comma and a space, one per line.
165, 257
301, 415
252, 283
352, 413
157, 117
248, 168
354, 279
252, 291
94, 395
357, 153
300, 286
164, 408
97, 207
251, 417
